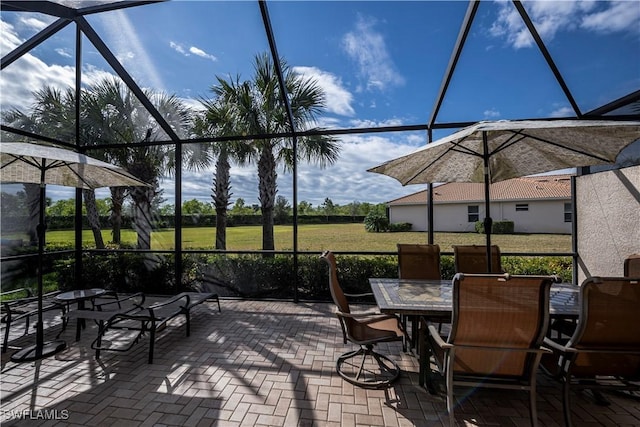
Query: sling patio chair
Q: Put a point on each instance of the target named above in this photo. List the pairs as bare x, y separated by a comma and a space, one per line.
363, 367
418, 261
604, 350
632, 266
472, 259
497, 328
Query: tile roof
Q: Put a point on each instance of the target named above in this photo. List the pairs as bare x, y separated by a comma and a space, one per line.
525, 188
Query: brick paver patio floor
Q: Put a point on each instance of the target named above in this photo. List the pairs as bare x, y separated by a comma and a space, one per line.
256, 363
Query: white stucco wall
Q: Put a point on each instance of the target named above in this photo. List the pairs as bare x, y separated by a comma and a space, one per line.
542, 216
608, 221
416, 215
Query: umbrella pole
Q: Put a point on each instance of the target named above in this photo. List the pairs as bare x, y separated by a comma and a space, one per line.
41, 349
488, 222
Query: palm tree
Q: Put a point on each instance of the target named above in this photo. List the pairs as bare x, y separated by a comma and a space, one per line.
258, 109
53, 114
219, 119
114, 115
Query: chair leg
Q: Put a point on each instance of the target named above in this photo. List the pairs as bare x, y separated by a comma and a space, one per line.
5, 343
566, 404
383, 373
450, 397
533, 407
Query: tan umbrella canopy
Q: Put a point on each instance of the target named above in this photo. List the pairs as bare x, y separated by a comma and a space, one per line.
513, 149
27, 163
490, 152
41, 164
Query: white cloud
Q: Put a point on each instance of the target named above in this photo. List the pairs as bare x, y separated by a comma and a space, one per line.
27, 74
201, 53
563, 112
360, 123
344, 182
491, 114
191, 51
63, 52
337, 99
368, 49
33, 23
620, 16
552, 17
178, 48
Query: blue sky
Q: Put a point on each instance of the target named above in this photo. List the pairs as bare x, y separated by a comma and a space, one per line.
379, 63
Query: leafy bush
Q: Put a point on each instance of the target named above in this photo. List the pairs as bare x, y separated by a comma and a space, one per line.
498, 227
559, 266
250, 276
376, 222
400, 226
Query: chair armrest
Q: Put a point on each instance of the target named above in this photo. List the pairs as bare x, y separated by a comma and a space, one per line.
170, 301
556, 347
541, 350
116, 304
366, 294
367, 317
437, 339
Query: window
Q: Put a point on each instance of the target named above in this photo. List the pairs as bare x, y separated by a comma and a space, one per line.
568, 213
522, 207
473, 213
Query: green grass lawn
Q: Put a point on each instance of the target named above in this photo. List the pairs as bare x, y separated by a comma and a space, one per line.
316, 238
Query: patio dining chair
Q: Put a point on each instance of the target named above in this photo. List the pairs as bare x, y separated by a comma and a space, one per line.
472, 259
363, 367
497, 328
632, 266
604, 350
418, 261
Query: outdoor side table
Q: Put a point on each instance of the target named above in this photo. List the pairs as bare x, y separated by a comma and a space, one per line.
79, 296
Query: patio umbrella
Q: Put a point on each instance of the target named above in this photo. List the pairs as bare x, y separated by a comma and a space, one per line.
39, 164
490, 152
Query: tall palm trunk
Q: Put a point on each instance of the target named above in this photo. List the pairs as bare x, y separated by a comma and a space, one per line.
92, 216
221, 196
267, 176
142, 197
32, 192
117, 201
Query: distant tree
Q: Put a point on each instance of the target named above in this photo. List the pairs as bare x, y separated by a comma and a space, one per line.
354, 208
282, 210
305, 208
239, 208
167, 210
13, 204
328, 207
194, 206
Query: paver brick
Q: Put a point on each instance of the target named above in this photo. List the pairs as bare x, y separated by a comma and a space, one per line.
258, 363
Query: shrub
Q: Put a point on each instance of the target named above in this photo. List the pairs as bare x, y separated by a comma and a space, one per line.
375, 222
498, 227
400, 226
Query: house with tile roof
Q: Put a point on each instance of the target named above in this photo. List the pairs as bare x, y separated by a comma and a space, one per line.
536, 204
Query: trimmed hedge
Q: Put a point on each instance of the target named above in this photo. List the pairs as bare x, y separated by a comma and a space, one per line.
256, 276
498, 227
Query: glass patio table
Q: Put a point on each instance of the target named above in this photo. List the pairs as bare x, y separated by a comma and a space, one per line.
79, 296
432, 299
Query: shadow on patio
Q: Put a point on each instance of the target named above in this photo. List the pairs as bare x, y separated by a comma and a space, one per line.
256, 363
